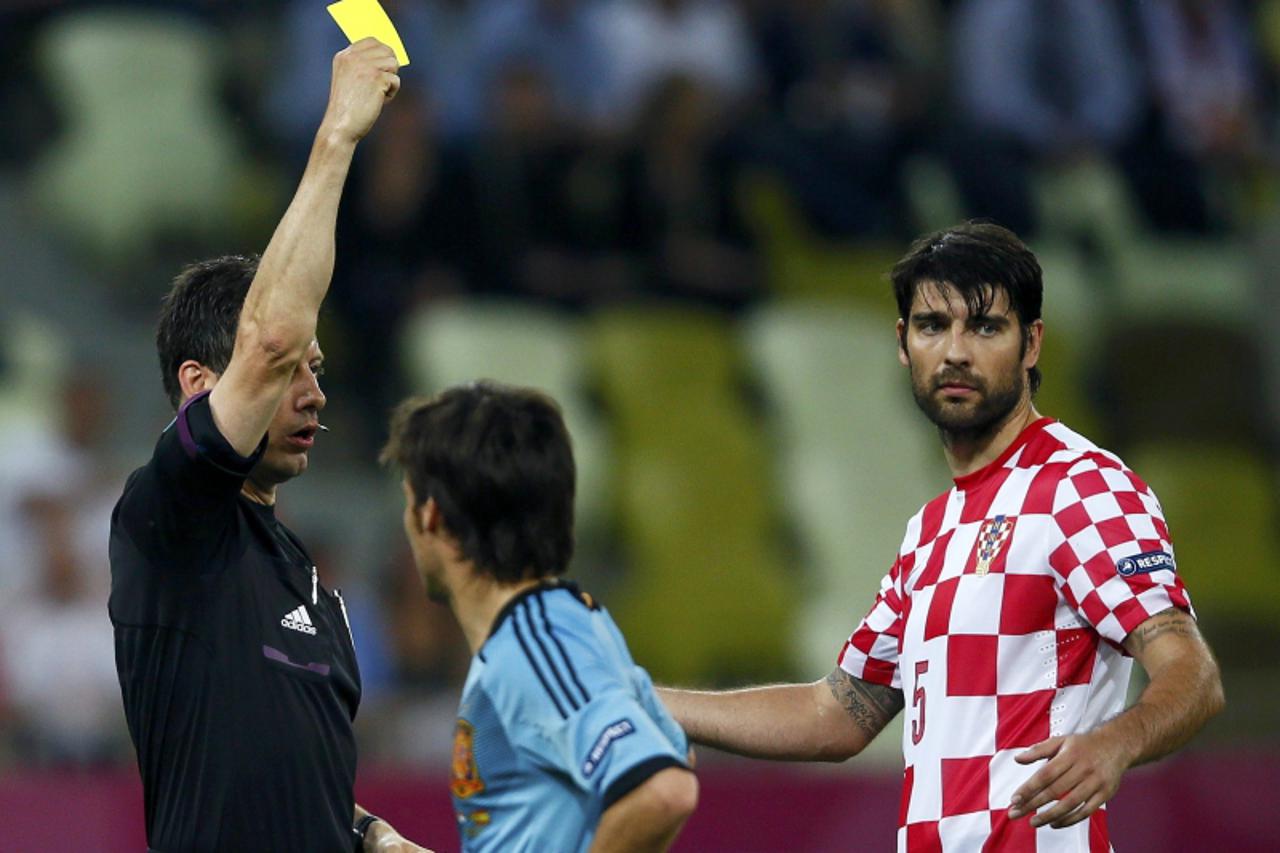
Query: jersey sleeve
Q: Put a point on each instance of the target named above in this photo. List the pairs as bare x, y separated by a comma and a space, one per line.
643, 686
611, 733
185, 494
872, 650
1114, 558
616, 745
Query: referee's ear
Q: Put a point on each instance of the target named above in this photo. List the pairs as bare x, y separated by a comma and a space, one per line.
194, 377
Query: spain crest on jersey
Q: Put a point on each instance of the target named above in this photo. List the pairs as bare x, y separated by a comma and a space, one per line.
466, 781
992, 537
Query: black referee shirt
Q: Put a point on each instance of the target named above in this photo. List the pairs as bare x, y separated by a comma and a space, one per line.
237, 669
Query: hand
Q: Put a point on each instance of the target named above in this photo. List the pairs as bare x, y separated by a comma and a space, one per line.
1083, 772
382, 838
364, 78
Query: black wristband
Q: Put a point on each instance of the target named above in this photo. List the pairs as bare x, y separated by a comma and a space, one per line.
361, 829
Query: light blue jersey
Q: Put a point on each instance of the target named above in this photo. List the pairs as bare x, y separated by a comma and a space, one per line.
556, 724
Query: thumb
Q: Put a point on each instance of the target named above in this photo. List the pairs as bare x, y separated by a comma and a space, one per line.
1044, 749
390, 86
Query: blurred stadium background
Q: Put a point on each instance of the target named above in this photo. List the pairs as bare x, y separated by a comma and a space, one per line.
677, 216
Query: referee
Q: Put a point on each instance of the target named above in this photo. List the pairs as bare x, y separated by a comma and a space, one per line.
237, 668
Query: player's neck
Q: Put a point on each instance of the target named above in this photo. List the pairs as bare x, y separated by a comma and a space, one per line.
478, 599
966, 454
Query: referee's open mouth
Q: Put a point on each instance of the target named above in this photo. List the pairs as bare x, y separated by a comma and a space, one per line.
304, 438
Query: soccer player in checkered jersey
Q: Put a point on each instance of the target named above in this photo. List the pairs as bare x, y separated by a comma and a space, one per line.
1008, 623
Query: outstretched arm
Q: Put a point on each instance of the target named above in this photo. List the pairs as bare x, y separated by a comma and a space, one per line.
381, 837
1084, 770
278, 320
829, 720
648, 818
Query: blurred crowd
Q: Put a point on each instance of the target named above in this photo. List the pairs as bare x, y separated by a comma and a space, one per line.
586, 151
578, 153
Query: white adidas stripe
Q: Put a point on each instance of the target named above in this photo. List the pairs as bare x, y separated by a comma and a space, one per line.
299, 620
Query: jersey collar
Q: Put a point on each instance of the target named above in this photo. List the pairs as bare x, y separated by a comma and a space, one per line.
975, 478
537, 589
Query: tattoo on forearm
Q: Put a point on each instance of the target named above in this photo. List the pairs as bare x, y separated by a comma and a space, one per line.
1171, 621
871, 706
1183, 693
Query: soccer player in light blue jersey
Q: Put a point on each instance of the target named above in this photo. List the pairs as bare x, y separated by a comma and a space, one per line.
561, 743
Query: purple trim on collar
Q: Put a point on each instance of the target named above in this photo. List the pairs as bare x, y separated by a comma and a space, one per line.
184, 429
275, 654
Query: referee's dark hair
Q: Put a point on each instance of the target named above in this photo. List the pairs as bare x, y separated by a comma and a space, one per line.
199, 316
498, 461
977, 259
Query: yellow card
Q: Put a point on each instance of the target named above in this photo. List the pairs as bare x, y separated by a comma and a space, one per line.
363, 18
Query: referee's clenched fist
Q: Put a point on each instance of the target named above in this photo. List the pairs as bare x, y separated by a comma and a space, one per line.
364, 78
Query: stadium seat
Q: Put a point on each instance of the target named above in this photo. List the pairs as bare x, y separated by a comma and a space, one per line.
801, 264
1073, 304
1183, 280
146, 152
684, 351
1066, 391
1073, 298
1220, 503
448, 343
1085, 203
854, 458
821, 364
1185, 380
708, 597
35, 357
932, 194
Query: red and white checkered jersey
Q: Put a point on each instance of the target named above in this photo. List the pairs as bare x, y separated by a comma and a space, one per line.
1001, 621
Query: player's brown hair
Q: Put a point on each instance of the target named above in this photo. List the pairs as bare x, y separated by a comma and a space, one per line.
499, 463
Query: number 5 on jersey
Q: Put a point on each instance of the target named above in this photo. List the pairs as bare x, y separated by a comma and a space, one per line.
917, 703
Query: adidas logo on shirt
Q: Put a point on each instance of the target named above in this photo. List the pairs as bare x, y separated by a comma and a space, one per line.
299, 620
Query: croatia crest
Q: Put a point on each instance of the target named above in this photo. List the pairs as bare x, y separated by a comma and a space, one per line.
992, 537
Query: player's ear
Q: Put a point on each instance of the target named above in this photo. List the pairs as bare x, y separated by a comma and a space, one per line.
902, 343
430, 519
1034, 339
194, 377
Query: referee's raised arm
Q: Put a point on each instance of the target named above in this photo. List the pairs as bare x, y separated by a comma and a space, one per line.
278, 320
